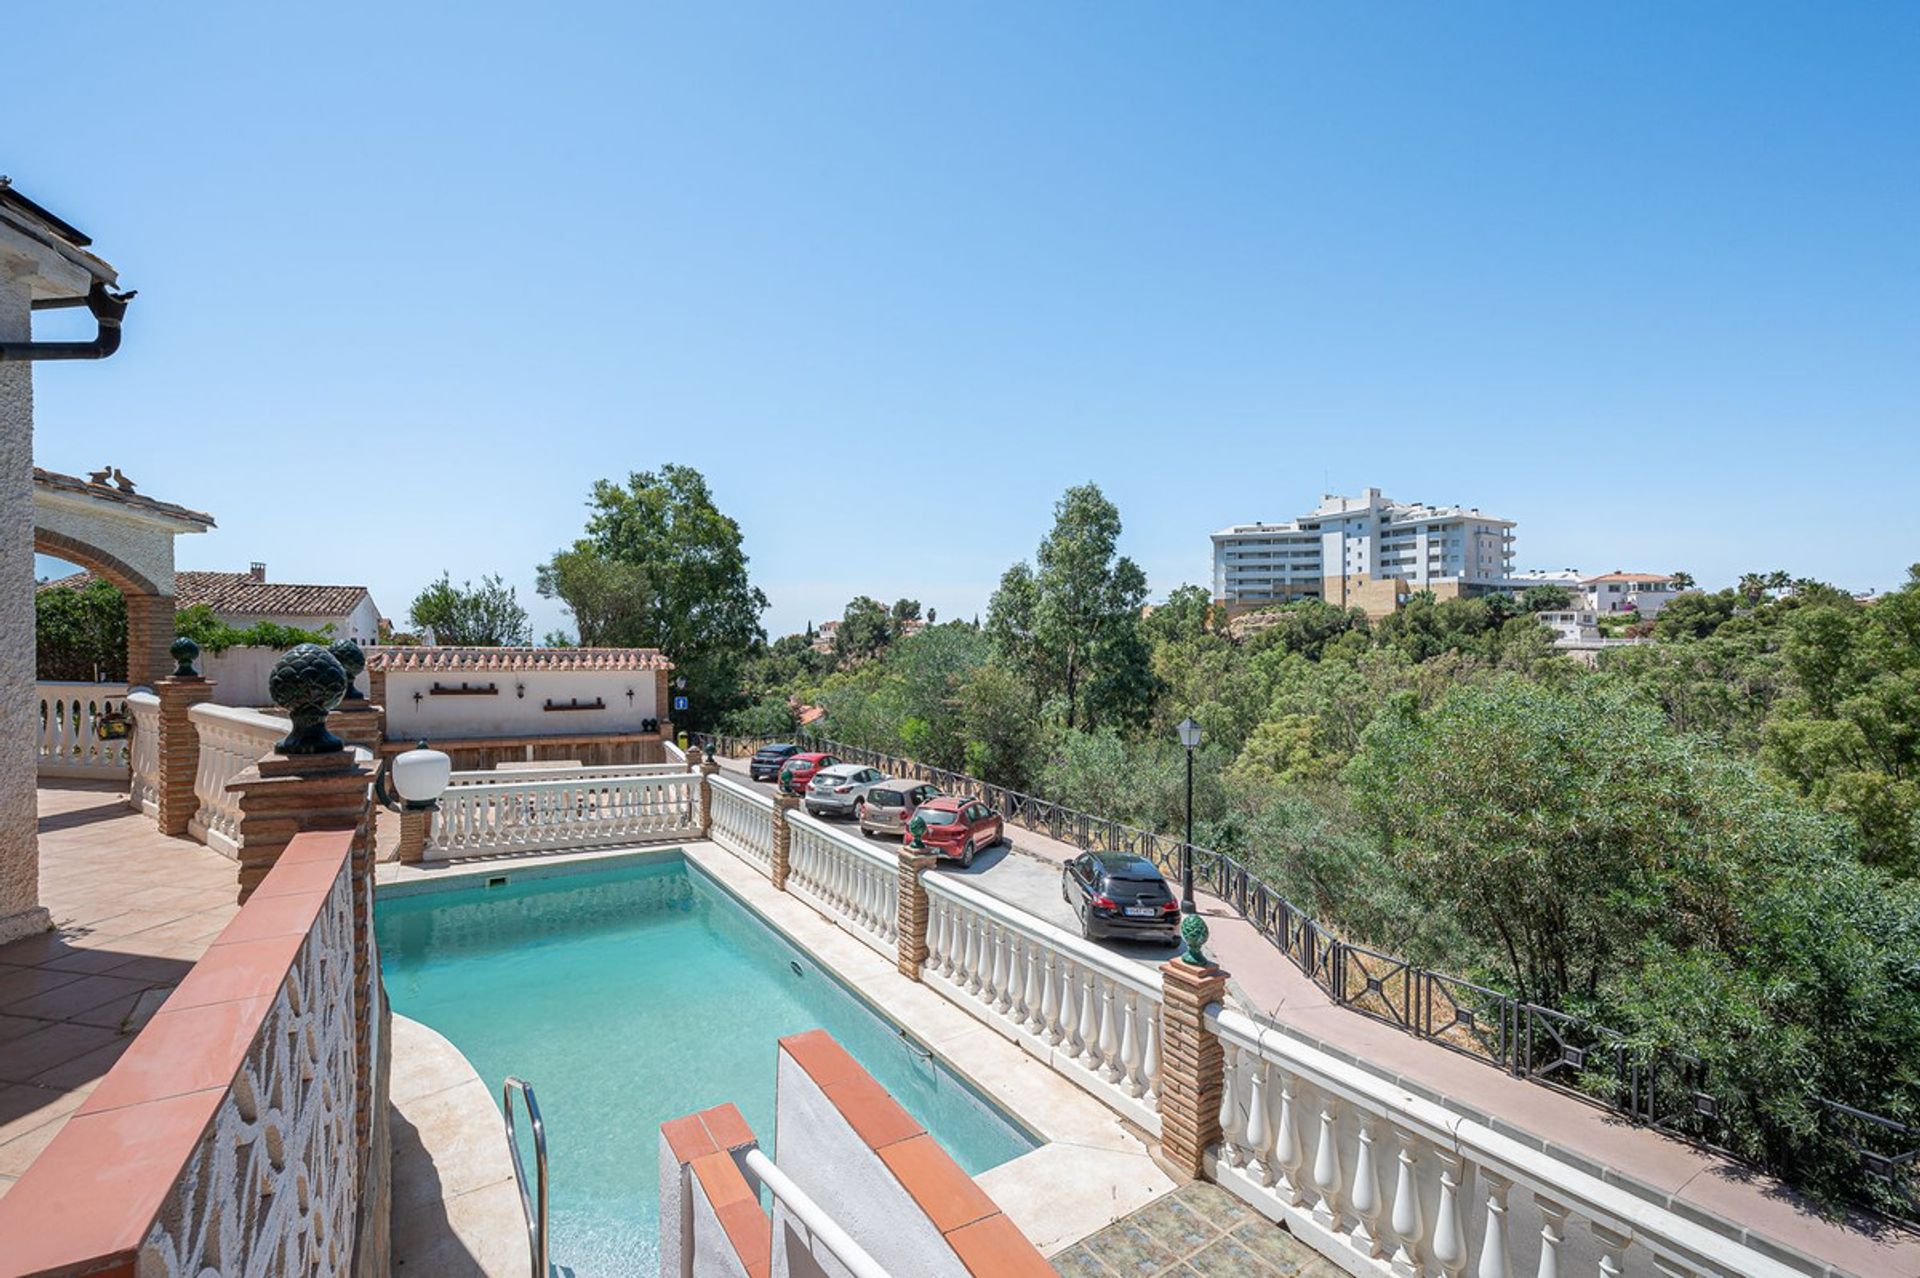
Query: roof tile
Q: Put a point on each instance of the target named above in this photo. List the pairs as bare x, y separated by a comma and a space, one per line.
437, 658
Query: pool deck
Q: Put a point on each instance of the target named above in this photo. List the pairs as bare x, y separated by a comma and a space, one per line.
133, 910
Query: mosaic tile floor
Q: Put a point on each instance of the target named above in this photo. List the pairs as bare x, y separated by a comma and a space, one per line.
1198, 1231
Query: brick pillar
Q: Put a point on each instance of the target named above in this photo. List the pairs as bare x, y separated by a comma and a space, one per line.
149, 631
360, 723
783, 803
707, 768
1193, 1068
912, 911
377, 686
179, 753
284, 795
413, 835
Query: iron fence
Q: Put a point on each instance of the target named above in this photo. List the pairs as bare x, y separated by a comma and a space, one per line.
1670, 1091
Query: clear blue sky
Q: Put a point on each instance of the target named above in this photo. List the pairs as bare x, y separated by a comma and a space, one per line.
1644, 277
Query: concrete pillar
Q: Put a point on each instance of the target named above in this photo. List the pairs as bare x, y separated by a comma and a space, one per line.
1193, 1067
179, 752
149, 632
706, 767
21, 913
783, 803
911, 916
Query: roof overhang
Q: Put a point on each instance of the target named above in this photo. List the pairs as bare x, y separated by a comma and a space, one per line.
69, 492
48, 252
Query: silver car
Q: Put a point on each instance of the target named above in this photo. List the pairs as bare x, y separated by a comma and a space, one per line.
841, 790
890, 805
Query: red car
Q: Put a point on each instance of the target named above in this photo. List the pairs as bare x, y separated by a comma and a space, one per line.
801, 768
957, 828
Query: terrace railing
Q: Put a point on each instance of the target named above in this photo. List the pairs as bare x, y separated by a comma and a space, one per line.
846, 879
513, 815
70, 744
143, 753
1669, 1091
558, 772
1095, 1017
742, 822
1386, 1182
231, 740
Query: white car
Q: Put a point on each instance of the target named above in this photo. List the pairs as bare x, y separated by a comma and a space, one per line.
841, 790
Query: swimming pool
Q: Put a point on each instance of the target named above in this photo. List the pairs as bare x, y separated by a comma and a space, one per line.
631, 994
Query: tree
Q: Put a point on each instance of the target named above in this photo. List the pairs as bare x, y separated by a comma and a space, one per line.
1071, 613
608, 597
904, 611
81, 634
865, 630
699, 608
1545, 598
1683, 580
485, 616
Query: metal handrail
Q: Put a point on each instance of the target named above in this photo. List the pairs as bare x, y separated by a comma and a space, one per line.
809, 1213
536, 1220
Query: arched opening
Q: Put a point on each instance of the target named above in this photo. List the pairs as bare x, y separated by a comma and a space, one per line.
149, 607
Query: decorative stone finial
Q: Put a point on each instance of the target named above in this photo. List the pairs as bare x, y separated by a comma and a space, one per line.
917, 827
1193, 930
185, 652
786, 780
307, 683
353, 661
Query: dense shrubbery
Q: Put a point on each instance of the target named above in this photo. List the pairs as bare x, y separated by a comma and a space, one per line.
82, 634
1709, 844
214, 635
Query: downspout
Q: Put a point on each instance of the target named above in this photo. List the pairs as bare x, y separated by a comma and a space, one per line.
109, 309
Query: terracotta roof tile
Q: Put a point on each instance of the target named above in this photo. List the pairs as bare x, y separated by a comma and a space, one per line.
433, 657
54, 481
240, 594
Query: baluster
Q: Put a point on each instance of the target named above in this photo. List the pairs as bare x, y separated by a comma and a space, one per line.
1005, 953
1018, 948
1037, 956
996, 962
1327, 1177
1553, 1222
1050, 997
1089, 1031
973, 953
1150, 1065
948, 940
1612, 1242
1232, 1059
1109, 1035
1449, 1230
1494, 1262
1130, 1045
1365, 1198
1259, 1158
1409, 1223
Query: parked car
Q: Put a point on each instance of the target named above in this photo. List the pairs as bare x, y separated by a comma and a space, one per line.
958, 828
891, 804
801, 767
766, 761
841, 790
1117, 894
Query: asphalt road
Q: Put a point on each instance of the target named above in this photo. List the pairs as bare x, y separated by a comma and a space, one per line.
1023, 872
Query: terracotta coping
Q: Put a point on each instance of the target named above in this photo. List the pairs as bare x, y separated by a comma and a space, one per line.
707, 1143
720, 1130
986, 1241
86, 1203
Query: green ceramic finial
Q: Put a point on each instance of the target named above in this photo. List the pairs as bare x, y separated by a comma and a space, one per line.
917, 827
185, 652
307, 683
353, 661
1193, 930
786, 780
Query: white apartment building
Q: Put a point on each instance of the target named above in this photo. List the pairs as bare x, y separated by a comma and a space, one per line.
1643, 592
1366, 551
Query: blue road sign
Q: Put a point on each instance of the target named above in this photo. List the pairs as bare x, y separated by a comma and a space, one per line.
679, 703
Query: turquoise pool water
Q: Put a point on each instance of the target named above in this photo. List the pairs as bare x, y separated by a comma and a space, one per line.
628, 996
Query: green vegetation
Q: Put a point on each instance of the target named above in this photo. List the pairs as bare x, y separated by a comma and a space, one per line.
82, 634
1709, 844
485, 616
214, 635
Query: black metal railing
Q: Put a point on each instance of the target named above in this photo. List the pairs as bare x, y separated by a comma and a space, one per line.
1667, 1090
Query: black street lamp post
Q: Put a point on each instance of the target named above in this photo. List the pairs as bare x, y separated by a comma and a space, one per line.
1190, 738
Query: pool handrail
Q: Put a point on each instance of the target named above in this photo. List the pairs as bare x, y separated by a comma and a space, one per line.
536, 1220
820, 1225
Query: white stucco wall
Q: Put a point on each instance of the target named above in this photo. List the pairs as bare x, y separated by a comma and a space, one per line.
508, 713
139, 541
362, 625
828, 1160
20, 911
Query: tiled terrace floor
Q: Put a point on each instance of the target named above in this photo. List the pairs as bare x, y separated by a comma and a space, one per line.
1198, 1231
132, 911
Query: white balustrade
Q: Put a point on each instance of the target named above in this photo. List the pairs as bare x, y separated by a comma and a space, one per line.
847, 880
742, 823
1387, 1182
231, 740
506, 815
1093, 1016
596, 772
143, 753
70, 744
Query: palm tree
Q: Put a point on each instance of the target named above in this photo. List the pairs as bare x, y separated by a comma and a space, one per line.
1753, 586
1683, 580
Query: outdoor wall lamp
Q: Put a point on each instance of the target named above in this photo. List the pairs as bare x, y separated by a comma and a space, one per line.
419, 777
520, 691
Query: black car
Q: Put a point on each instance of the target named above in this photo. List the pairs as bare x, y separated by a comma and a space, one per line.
1117, 894
766, 761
